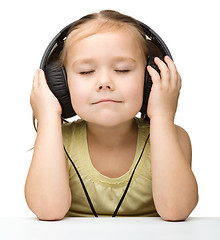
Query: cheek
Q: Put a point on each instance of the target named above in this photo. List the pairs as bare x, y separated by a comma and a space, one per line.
79, 95
135, 91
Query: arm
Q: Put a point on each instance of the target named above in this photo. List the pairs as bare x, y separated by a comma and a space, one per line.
174, 186
47, 189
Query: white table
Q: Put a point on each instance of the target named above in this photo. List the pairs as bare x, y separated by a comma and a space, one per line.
150, 228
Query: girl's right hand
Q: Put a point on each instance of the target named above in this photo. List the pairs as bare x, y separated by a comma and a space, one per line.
43, 101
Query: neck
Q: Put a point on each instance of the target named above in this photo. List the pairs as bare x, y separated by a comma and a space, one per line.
111, 137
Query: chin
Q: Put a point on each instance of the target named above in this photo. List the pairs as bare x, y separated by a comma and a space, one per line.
110, 121
107, 122
108, 117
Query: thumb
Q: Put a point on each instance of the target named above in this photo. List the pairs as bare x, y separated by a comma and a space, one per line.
41, 74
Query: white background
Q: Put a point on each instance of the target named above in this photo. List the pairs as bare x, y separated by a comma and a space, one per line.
190, 28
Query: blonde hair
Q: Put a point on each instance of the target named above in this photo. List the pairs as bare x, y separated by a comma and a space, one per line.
103, 21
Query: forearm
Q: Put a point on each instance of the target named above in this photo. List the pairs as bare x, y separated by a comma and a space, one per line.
47, 186
174, 186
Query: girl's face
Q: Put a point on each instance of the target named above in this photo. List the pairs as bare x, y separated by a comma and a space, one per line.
106, 77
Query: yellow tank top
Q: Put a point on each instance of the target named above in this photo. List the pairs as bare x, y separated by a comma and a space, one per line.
105, 192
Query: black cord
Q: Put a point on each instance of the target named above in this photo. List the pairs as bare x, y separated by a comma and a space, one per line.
125, 192
84, 188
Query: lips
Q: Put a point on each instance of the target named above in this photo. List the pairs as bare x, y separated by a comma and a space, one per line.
106, 100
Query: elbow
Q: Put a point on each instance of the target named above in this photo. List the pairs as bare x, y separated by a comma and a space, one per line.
176, 214
174, 217
51, 213
50, 216
48, 209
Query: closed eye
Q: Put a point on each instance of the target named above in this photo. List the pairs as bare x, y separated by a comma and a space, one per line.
86, 72
123, 71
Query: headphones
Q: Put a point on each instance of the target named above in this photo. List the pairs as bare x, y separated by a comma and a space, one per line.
57, 78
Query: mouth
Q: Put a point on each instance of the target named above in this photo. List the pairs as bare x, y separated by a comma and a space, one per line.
107, 101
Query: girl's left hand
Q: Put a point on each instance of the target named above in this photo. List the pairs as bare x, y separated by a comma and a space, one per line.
165, 89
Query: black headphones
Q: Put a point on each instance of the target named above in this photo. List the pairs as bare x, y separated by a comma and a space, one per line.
57, 78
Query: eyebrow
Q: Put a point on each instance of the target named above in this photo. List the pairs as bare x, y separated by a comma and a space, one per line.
82, 60
91, 60
124, 58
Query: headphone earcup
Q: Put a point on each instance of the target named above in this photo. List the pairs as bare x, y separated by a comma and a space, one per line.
148, 84
57, 81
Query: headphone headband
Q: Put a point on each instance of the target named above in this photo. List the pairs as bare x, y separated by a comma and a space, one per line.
57, 42
57, 78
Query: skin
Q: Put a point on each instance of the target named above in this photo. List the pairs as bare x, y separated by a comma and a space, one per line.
175, 189
106, 88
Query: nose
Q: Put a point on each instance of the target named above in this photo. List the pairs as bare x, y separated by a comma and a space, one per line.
104, 87
105, 82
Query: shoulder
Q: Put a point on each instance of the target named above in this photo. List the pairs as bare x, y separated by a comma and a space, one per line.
71, 128
185, 142
72, 125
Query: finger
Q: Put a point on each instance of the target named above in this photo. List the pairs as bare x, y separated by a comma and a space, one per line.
164, 70
174, 75
41, 76
155, 76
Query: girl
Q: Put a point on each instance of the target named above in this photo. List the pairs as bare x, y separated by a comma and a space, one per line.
119, 164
